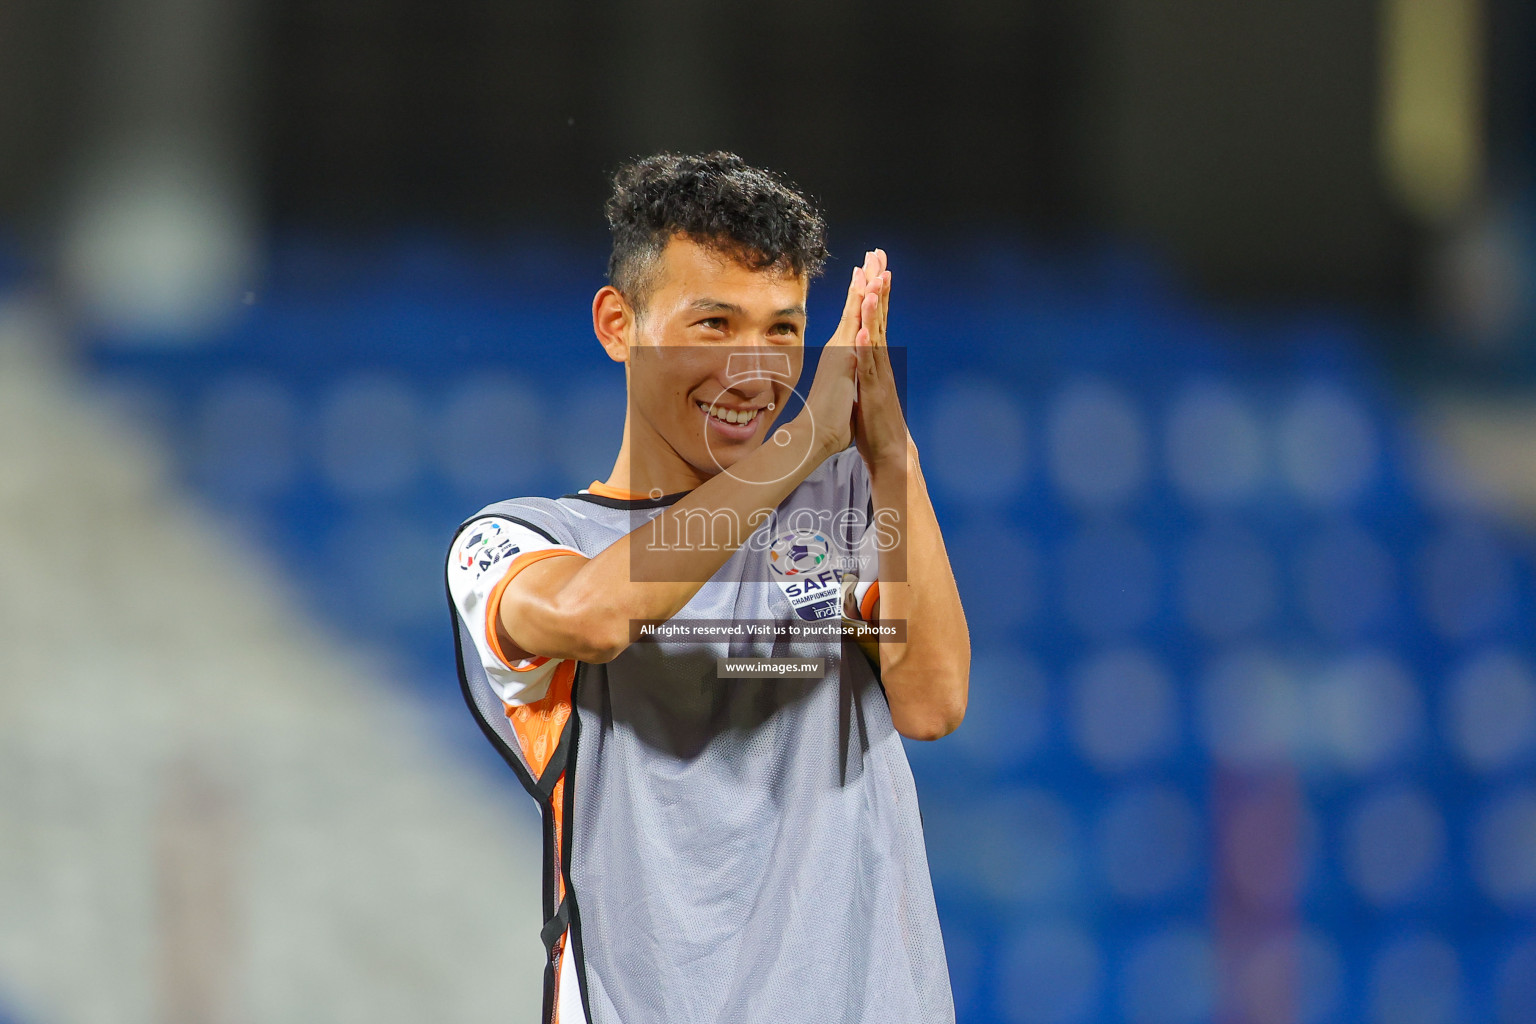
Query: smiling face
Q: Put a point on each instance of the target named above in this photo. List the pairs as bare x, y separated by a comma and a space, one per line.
710, 362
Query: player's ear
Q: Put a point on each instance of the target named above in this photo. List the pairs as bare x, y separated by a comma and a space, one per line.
613, 321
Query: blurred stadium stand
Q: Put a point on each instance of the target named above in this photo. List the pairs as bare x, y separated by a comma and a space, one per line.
1253, 720
212, 808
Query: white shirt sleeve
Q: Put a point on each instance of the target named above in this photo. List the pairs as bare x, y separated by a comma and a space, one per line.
487, 554
861, 603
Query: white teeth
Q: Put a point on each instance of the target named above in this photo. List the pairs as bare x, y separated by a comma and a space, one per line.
728, 415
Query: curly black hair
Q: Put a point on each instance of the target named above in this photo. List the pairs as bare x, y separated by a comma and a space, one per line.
717, 199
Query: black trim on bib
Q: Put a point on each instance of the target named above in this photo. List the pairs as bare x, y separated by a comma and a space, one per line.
556, 910
529, 782
522, 522
603, 499
557, 762
555, 927
576, 946
551, 912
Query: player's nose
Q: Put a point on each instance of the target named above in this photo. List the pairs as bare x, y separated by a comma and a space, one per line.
758, 364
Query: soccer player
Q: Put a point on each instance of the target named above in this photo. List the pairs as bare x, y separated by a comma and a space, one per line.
725, 847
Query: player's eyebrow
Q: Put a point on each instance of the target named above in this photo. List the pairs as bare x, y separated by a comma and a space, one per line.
716, 306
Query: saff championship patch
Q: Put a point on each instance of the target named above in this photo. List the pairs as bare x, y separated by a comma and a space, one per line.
802, 565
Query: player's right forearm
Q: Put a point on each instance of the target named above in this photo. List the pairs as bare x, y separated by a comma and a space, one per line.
651, 573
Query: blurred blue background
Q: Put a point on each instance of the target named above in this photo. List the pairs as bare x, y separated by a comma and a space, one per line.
1230, 439
1253, 706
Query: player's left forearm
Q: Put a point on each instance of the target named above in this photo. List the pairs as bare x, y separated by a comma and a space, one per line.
927, 677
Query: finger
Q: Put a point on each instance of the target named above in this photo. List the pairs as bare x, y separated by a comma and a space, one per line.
867, 337
879, 336
863, 352
884, 316
874, 271
869, 316
869, 312
872, 265
866, 373
874, 279
849, 323
864, 285
885, 304
883, 358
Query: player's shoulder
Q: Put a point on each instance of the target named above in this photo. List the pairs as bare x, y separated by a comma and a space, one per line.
535, 512
533, 521
508, 527
536, 515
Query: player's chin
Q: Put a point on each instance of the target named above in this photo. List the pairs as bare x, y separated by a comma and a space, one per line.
716, 457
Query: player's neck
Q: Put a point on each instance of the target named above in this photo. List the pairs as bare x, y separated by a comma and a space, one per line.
648, 465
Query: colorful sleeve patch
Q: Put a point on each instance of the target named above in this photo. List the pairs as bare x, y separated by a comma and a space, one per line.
479, 560
486, 544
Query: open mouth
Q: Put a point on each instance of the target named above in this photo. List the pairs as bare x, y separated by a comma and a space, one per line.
733, 423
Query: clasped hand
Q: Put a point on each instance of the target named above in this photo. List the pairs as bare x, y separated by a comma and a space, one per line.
854, 394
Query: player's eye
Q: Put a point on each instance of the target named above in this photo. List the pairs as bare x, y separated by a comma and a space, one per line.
714, 323
786, 328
